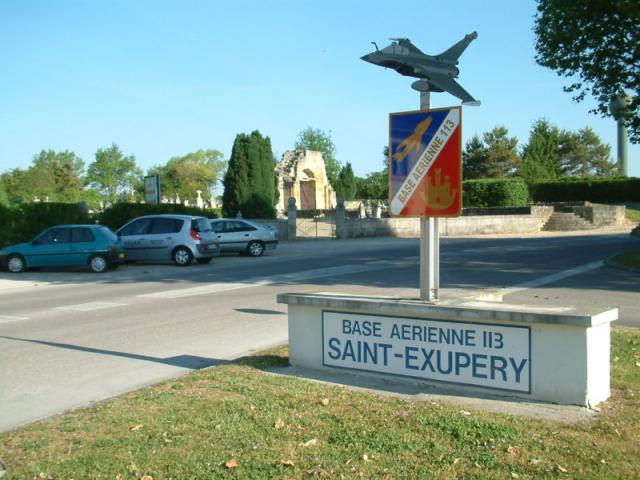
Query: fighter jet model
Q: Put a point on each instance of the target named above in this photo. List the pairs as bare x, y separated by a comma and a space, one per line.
436, 73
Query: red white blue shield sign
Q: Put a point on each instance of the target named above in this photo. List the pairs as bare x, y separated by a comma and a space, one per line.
425, 163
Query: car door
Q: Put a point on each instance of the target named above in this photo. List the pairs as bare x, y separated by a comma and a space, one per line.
219, 228
237, 235
133, 237
162, 237
83, 245
51, 248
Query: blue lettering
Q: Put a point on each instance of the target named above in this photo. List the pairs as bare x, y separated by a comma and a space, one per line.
459, 363
394, 332
498, 368
408, 356
385, 349
441, 369
518, 369
371, 352
476, 364
346, 326
334, 344
427, 359
348, 351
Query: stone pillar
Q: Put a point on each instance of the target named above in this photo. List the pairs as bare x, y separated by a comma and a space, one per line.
377, 210
341, 220
362, 212
292, 216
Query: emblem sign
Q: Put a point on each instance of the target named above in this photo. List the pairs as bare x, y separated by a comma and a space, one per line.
425, 168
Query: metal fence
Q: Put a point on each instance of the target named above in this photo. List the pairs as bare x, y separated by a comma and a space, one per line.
314, 224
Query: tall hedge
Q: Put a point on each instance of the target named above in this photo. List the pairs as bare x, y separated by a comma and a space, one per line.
495, 192
595, 189
22, 223
249, 184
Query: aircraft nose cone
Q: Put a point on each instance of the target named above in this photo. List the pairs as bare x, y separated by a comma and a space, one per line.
369, 57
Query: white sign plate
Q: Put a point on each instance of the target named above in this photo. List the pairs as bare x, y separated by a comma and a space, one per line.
479, 354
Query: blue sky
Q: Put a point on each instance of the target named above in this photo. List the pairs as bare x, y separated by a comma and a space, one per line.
164, 78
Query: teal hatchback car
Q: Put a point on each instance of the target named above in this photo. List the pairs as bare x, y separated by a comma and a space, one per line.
94, 246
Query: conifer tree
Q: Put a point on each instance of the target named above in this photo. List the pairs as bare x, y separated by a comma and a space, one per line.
346, 187
250, 178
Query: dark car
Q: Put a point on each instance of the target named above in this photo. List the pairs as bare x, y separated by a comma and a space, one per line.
66, 245
244, 236
180, 238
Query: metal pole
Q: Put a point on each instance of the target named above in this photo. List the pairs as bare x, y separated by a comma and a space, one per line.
622, 147
429, 242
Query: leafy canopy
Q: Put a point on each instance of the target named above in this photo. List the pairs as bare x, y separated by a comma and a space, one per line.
320, 141
114, 174
595, 43
185, 175
52, 176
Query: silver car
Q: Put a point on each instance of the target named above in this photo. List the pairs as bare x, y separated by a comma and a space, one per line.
244, 236
180, 238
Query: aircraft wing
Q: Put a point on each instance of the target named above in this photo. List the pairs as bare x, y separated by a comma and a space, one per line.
448, 84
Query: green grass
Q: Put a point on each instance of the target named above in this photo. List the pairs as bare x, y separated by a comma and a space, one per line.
281, 427
633, 213
629, 259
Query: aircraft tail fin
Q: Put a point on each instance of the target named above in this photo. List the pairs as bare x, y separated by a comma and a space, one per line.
452, 54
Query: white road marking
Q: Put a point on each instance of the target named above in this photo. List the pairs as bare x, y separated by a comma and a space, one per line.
284, 278
89, 307
10, 318
538, 282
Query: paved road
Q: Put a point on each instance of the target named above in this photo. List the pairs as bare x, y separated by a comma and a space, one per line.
68, 338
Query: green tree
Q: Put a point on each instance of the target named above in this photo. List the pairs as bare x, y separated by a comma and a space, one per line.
582, 154
4, 198
502, 152
474, 159
375, 186
496, 155
317, 140
346, 187
540, 156
56, 176
114, 174
595, 44
185, 175
249, 183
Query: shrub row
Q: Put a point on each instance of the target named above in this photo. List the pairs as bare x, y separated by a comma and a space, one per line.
596, 190
22, 223
498, 192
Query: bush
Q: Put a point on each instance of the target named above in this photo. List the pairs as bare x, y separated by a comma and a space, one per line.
117, 215
590, 189
22, 223
499, 192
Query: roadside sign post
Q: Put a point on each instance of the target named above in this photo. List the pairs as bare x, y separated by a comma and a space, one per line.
429, 242
425, 178
152, 189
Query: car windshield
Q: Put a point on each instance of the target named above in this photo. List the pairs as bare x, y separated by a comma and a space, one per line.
200, 225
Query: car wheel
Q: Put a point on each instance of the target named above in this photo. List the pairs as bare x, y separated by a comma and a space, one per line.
204, 260
182, 256
255, 249
16, 264
98, 264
